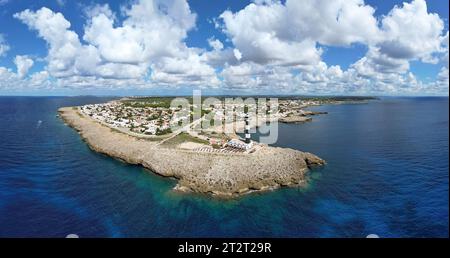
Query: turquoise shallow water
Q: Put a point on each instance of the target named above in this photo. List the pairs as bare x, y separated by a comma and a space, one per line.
387, 174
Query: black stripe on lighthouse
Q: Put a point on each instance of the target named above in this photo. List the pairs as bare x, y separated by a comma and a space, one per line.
247, 130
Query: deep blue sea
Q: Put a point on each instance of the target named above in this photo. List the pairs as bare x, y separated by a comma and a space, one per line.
387, 174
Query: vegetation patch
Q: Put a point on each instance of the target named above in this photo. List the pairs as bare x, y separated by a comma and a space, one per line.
183, 137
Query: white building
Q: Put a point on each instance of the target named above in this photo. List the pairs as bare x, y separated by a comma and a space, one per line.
150, 130
238, 144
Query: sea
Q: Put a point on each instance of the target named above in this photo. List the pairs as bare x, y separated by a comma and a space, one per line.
387, 174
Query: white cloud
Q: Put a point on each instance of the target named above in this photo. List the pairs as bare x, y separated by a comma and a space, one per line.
67, 56
23, 63
237, 54
40, 78
375, 62
218, 58
255, 31
287, 34
253, 77
340, 22
410, 32
215, 44
189, 70
7, 78
442, 82
443, 76
61, 2
243, 75
272, 46
444, 43
4, 47
12, 81
64, 45
151, 35
152, 29
276, 34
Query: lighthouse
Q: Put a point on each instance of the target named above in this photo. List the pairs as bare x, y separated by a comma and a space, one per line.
247, 130
245, 145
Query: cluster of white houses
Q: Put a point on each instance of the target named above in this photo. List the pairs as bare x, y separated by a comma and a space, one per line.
154, 120
140, 120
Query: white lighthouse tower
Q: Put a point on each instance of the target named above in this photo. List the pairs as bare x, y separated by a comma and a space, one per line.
245, 145
247, 130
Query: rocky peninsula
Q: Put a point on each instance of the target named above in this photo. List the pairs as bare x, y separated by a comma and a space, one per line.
219, 174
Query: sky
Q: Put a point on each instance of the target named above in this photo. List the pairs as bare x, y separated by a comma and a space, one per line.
232, 47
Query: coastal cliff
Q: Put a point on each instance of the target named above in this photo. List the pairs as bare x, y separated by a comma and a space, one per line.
221, 174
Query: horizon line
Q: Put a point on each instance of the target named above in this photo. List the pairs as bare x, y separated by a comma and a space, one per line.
229, 95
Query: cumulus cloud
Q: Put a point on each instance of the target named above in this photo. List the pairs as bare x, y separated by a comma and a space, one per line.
252, 77
237, 54
4, 47
7, 78
67, 56
12, 81
61, 2
152, 29
442, 82
444, 43
376, 62
287, 34
215, 44
244, 75
64, 45
189, 70
23, 64
151, 35
272, 46
410, 32
255, 31
339, 23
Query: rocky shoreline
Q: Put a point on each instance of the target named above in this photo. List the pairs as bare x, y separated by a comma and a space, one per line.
295, 119
224, 175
